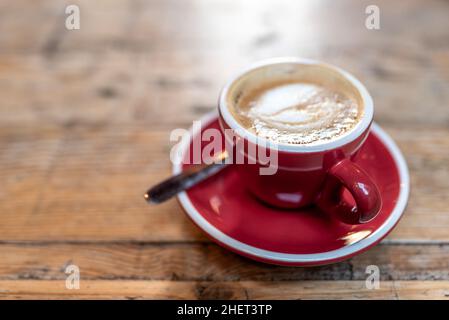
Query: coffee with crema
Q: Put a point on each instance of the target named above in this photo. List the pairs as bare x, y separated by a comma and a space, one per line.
296, 112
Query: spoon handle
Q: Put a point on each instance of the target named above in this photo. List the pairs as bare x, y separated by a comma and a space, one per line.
182, 181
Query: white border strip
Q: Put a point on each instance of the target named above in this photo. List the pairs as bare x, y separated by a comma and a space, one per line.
304, 258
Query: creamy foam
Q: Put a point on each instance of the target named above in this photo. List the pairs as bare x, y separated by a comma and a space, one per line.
297, 112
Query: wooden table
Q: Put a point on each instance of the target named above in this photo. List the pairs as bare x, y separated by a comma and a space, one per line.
85, 117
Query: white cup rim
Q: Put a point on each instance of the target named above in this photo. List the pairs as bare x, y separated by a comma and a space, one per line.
352, 135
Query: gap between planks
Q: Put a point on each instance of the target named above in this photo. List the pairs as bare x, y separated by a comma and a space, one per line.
396, 242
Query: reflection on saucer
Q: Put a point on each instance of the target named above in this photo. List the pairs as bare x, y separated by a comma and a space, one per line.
354, 237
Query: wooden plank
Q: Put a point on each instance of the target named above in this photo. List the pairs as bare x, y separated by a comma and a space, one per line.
193, 25
55, 289
208, 262
84, 90
141, 89
46, 194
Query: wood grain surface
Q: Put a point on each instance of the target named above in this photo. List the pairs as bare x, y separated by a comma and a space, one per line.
85, 118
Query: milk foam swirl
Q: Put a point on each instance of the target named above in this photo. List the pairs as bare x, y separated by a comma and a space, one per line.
297, 113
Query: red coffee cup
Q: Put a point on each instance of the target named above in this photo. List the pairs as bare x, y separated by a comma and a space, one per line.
317, 174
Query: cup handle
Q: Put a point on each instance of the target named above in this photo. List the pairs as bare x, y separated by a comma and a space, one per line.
362, 188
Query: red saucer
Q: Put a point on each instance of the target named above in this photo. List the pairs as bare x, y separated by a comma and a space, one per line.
232, 217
